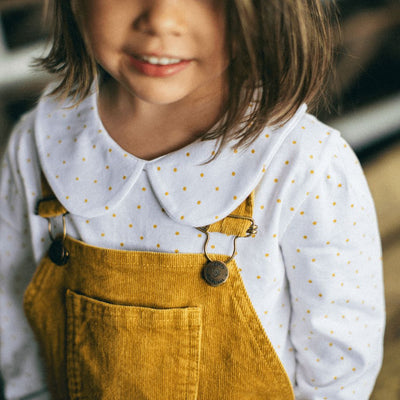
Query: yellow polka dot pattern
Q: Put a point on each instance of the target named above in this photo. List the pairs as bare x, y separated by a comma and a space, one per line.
313, 271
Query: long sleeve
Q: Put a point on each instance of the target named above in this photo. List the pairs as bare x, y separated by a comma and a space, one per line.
325, 242
332, 255
20, 366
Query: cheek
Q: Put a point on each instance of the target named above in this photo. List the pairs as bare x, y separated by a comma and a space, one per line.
105, 40
104, 25
215, 39
218, 54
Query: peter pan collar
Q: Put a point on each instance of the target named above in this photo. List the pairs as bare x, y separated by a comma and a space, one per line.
91, 174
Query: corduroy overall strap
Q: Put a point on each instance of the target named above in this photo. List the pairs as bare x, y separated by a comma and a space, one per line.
239, 222
48, 206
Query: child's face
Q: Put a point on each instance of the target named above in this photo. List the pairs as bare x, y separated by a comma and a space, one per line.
161, 51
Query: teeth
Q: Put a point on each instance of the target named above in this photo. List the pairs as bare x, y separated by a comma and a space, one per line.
160, 60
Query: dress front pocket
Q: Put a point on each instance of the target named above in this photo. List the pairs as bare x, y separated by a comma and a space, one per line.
129, 352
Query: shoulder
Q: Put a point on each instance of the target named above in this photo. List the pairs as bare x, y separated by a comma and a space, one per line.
311, 148
20, 160
311, 162
25, 134
22, 135
311, 143
18, 172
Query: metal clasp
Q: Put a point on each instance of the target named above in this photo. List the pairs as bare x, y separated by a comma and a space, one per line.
216, 272
50, 228
253, 229
58, 253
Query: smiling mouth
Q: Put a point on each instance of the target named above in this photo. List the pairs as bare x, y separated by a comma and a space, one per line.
160, 60
158, 66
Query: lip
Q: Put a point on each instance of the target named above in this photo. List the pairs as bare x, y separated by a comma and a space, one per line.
158, 70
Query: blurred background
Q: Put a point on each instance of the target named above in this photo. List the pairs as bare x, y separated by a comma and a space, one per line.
365, 108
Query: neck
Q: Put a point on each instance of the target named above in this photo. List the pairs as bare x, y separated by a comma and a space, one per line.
149, 130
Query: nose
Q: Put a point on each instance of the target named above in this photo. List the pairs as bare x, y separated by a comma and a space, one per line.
161, 17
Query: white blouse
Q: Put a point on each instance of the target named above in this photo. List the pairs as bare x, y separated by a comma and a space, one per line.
313, 272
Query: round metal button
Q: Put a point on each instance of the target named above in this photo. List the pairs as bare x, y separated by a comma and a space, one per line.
58, 253
215, 273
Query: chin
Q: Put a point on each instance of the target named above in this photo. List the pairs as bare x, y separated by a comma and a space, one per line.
159, 97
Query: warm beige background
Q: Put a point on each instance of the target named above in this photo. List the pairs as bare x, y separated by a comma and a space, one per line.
383, 177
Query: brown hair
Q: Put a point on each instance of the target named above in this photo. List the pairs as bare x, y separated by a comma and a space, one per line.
281, 55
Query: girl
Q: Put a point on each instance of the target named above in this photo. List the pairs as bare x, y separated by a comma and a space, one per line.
137, 185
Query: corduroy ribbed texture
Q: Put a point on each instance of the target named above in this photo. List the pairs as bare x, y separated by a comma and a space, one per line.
234, 226
118, 324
